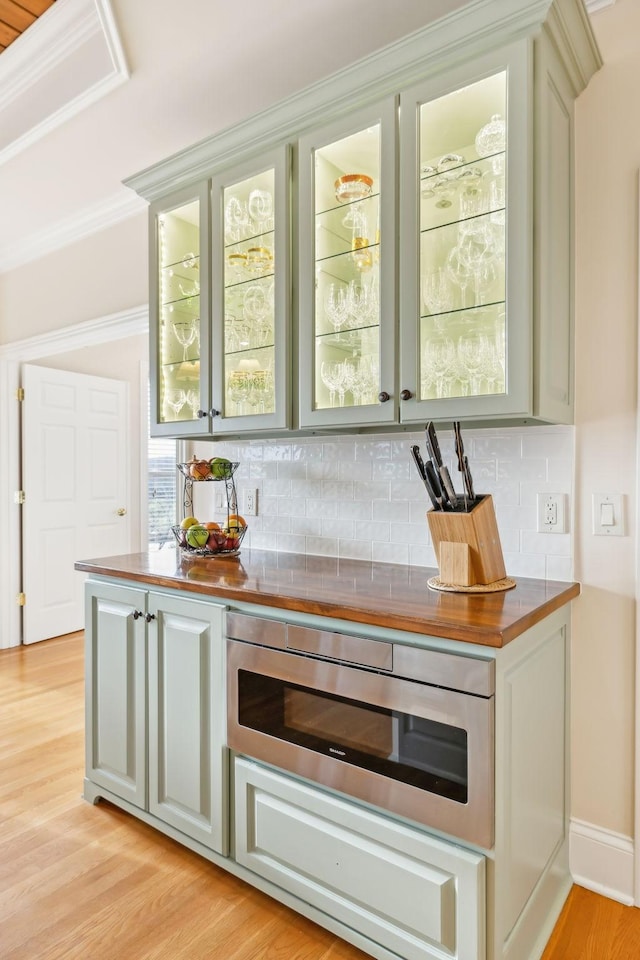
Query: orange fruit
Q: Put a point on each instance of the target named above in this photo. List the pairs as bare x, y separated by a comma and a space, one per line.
235, 520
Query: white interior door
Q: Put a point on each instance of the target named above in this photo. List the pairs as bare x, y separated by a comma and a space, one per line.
75, 475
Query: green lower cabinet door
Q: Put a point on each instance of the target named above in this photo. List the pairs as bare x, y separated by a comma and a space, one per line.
187, 759
115, 666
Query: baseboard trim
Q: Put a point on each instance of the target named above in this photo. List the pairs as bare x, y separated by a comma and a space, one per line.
602, 860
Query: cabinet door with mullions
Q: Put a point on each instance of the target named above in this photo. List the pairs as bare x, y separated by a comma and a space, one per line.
250, 302
466, 266
179, 313
347, 272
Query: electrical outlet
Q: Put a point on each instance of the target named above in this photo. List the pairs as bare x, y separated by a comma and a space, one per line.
250, 503
552, 513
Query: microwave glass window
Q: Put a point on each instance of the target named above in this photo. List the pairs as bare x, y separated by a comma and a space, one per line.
415, 750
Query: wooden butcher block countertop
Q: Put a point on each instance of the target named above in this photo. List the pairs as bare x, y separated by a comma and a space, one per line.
392, 596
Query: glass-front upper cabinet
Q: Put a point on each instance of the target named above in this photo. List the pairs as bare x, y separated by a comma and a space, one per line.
179, 313
251, 370
465, 305
346, 268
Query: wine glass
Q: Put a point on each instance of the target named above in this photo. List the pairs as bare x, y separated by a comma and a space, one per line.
260, 209
238, 387
471, 349
185, 331
336, 306
175, 399
437, 360
332, 376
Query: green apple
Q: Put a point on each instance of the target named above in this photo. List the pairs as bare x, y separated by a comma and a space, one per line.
197, 536
219, 467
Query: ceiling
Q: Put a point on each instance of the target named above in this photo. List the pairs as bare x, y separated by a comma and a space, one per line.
126, 84
16, 17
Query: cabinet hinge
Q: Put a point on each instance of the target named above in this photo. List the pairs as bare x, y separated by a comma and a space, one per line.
18, 496
20, 394
21, 599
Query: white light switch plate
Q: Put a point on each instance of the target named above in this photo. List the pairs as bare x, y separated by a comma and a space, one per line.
608, 515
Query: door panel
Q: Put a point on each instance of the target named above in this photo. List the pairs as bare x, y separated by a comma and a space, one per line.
75, 470
115, 665
187, 762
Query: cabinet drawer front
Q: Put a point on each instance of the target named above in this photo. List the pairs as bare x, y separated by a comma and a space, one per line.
411, 893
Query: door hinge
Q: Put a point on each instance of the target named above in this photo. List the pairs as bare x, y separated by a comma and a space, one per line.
18, 496
21, 599
20, 394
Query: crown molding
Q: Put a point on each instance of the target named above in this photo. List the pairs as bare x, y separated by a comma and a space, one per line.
115, 326
77, 227
468, 32
594, 5
29, 66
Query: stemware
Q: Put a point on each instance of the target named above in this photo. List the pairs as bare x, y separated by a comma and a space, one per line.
437, 361
437, 291
260, 209
176, 399
185, 332
336, 306
238, 387
333, 375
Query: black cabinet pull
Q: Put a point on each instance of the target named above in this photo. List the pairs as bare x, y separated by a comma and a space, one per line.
383, 396
202, 413
137, 614
406, 395
149, 617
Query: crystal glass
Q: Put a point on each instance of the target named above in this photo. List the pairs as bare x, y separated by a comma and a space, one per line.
461, 162
347, 265
178, 292
249, 285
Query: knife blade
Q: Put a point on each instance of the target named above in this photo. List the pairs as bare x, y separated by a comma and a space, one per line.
433, 446
420, 467
463, 462
434, 480
446, 484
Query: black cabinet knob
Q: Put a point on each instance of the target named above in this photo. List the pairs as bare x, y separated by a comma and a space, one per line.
202, 413
149, 617
383, 396
137, 614
214, 412
406, 395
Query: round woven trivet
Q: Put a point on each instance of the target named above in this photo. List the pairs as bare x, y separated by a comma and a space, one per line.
505, 584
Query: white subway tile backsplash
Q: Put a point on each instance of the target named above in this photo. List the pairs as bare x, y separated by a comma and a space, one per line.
372, 530
373, 490
389, 510
360, 497
356, 509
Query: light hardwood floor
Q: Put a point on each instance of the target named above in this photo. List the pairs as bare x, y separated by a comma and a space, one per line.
91, 882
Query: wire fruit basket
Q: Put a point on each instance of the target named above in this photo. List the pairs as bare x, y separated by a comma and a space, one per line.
210, 539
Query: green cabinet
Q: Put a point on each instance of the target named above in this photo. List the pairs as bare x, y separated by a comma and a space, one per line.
219, 302
392, 245
155, 714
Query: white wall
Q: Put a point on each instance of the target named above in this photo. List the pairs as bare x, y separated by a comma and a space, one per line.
608, 159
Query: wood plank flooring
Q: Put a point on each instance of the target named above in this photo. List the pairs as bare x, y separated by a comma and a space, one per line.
81, 881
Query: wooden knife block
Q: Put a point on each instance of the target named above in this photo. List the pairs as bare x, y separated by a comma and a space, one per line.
467, 545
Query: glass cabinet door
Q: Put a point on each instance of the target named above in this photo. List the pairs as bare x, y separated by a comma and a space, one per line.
179, 312
460, 358
251, 356
347, 271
